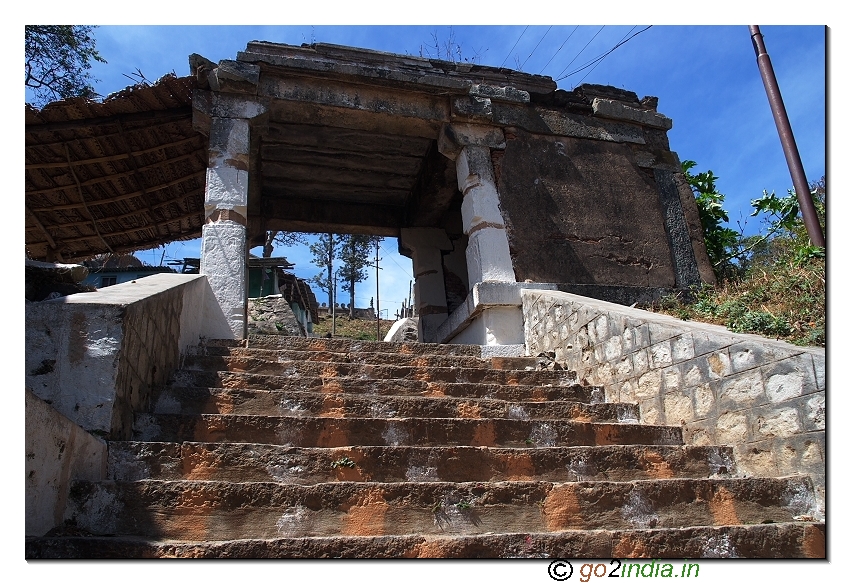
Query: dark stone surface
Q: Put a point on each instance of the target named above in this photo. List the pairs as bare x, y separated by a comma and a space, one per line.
582, 211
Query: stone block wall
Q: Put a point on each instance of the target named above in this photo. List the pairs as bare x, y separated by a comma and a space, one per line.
97, 357
764, 398
57, 452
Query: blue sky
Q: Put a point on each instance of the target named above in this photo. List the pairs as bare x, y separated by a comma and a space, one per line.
705, 77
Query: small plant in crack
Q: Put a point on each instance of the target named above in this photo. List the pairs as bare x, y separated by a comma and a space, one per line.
343, 462
463, 506
529, 441
438, 507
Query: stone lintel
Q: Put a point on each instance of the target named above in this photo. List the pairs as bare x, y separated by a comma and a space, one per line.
234, 77
412, 238
507, 93
322, 59
210, 104
617, 110
454, 137
484, 295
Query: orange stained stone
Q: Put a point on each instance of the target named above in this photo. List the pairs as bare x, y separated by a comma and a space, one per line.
485, 434
333, 406
468, 411
562, 508
722, 507
630, 547
198, 464
519, 467
814, 544
658, 467
334, 434
429, 549
328, 371
365, 514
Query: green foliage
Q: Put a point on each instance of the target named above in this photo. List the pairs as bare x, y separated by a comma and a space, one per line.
57, 60
720, 241
773, 283
343, 462
325, 251
355, 253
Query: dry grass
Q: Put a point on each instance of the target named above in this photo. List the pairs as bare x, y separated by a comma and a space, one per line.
357, 329
787, 302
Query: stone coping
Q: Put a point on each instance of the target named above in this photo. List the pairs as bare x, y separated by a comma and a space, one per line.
484, 295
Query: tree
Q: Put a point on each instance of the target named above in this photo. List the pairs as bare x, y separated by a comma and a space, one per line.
325, 251
283, 239
355, 253
57, 62
721, 243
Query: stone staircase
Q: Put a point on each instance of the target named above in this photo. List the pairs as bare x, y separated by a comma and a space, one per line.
334, 448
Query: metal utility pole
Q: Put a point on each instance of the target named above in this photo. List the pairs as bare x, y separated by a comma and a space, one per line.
786, 136
377, 290
333, 309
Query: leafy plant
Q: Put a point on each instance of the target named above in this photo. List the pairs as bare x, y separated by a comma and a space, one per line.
343, 462
720, 241
773, 283
463, 506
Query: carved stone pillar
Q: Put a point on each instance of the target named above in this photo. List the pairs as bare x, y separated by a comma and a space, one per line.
488, 256
224, 250
425, 247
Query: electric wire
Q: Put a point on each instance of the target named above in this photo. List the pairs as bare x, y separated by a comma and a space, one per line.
535, 48
559, 50
601, 57
512, 50
580, 52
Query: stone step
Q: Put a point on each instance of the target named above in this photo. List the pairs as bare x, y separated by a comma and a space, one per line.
373, 358
254, 462
334, 432
351, 385
350, 345
297, 369
223, 511
199, 400
755, 541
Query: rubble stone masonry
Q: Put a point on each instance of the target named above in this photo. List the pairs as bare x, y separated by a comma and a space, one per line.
765, 398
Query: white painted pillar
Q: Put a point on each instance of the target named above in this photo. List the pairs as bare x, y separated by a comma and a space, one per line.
224, 253
426, 246
488, 257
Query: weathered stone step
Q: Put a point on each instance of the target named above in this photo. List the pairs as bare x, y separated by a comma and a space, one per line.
766, 541
239, 462
297, 369
350, 345
333, 432
197, 400
240, 380
223, 511
373, 358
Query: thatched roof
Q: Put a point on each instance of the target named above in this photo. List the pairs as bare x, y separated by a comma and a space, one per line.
118, 176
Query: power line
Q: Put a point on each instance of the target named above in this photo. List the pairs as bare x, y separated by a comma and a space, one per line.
580, 52
601, 57
559, 50
512, 50
535, 47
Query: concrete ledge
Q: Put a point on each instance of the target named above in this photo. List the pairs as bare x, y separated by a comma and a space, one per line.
482, 296
97, 357
57, 452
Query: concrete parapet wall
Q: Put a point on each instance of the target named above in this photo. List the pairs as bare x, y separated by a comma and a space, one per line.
57, 452
764, 398
97, 357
